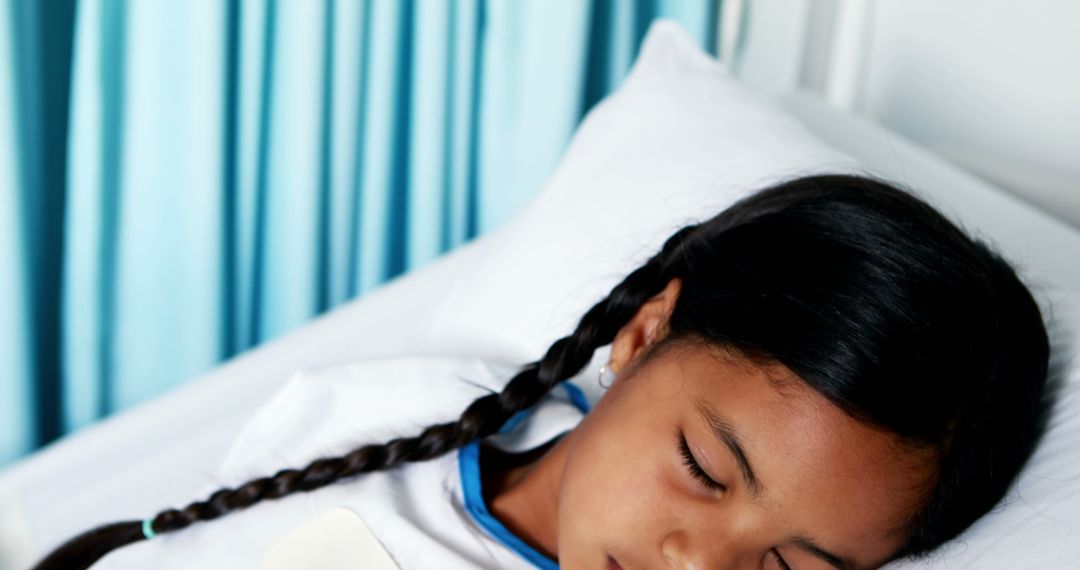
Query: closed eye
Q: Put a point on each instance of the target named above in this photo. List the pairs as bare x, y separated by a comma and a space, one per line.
702, 477
780, 561
694, 467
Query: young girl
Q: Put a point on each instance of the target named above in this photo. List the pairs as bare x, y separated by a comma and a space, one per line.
827, 374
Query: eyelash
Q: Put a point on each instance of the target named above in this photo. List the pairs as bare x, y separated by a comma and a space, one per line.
695, 469
702, 477
780, 561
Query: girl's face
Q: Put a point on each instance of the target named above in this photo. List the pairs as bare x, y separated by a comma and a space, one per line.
783, 477
699, 460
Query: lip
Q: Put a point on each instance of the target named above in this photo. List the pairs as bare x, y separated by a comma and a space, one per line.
612, 564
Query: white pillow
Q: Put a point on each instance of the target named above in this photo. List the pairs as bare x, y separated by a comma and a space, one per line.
680, 140
676, 143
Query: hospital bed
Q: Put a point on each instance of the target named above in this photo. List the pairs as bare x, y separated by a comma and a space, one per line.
679, 140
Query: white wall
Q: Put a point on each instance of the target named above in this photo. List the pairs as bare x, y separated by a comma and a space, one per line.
992, 85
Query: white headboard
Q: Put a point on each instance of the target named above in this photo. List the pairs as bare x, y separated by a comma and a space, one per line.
990, 85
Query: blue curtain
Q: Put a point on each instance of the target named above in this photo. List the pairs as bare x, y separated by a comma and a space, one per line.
182, 180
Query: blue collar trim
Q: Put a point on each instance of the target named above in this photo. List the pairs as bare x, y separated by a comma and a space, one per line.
469, 458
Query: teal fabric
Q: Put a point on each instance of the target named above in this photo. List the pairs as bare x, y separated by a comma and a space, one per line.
180, 181
16, 341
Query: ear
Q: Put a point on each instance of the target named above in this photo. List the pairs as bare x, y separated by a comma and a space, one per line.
648, 326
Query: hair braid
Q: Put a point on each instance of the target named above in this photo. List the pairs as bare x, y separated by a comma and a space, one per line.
483, 417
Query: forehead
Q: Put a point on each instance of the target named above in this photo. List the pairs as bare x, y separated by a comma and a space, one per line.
825, 472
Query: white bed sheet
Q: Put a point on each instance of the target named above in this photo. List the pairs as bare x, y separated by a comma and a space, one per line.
160, 453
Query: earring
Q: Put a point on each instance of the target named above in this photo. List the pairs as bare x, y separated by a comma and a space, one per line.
603, 371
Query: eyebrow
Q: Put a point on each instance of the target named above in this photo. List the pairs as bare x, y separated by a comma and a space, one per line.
725, 433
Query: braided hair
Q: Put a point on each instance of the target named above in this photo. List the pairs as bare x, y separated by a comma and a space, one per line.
889, 310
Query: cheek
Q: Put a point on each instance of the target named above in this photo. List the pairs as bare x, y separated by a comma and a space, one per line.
614, 489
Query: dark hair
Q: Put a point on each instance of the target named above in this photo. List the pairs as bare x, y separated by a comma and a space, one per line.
864, 291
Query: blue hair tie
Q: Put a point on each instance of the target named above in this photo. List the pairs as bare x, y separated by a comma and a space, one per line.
147, 531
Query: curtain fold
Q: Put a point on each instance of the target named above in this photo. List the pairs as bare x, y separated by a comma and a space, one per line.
17, 417
186, 180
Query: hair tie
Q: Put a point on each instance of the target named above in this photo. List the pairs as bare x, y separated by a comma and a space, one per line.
147, 530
